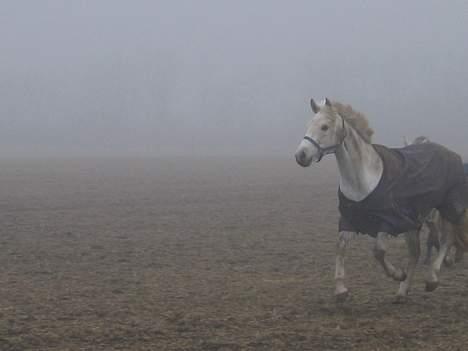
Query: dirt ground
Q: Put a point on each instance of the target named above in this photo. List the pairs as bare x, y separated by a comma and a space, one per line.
199, 254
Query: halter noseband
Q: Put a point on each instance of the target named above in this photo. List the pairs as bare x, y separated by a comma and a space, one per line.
329, 149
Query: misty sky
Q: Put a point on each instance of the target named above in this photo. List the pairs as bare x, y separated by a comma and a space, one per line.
111, 77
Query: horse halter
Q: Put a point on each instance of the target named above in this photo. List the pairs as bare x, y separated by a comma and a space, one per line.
329, 149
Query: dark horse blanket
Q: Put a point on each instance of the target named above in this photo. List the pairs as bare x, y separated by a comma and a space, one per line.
415, 179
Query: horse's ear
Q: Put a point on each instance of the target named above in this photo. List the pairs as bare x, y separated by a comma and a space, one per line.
314, 106
327, 102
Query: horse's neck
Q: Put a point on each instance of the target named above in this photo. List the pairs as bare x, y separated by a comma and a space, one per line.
360, 166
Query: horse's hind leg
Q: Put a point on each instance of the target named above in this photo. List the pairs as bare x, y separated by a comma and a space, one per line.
414, 250
447, 240
434, 224
432, 240
380, 249
341, 292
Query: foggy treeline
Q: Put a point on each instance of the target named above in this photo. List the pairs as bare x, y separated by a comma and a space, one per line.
126, 78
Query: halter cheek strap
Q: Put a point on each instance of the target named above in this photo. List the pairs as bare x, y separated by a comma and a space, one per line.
329, 149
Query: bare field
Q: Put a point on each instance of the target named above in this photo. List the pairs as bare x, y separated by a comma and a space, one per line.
199, 254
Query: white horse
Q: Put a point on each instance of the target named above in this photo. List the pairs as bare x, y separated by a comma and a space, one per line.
338, 129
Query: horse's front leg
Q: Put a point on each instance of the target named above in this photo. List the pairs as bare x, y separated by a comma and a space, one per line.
380, 249
414, 250
341, 292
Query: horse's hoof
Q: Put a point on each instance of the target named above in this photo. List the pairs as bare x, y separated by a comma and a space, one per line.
400, 299
342, 296
431, 286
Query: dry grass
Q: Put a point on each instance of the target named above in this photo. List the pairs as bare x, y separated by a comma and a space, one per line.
198, 255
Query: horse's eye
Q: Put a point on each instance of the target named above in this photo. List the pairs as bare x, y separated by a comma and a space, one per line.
324, 128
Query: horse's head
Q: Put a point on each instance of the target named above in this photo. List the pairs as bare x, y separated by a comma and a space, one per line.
325, 132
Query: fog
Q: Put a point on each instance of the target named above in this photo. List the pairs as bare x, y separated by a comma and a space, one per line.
163, 78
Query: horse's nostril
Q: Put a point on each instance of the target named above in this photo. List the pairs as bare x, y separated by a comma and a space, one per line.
301, 156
